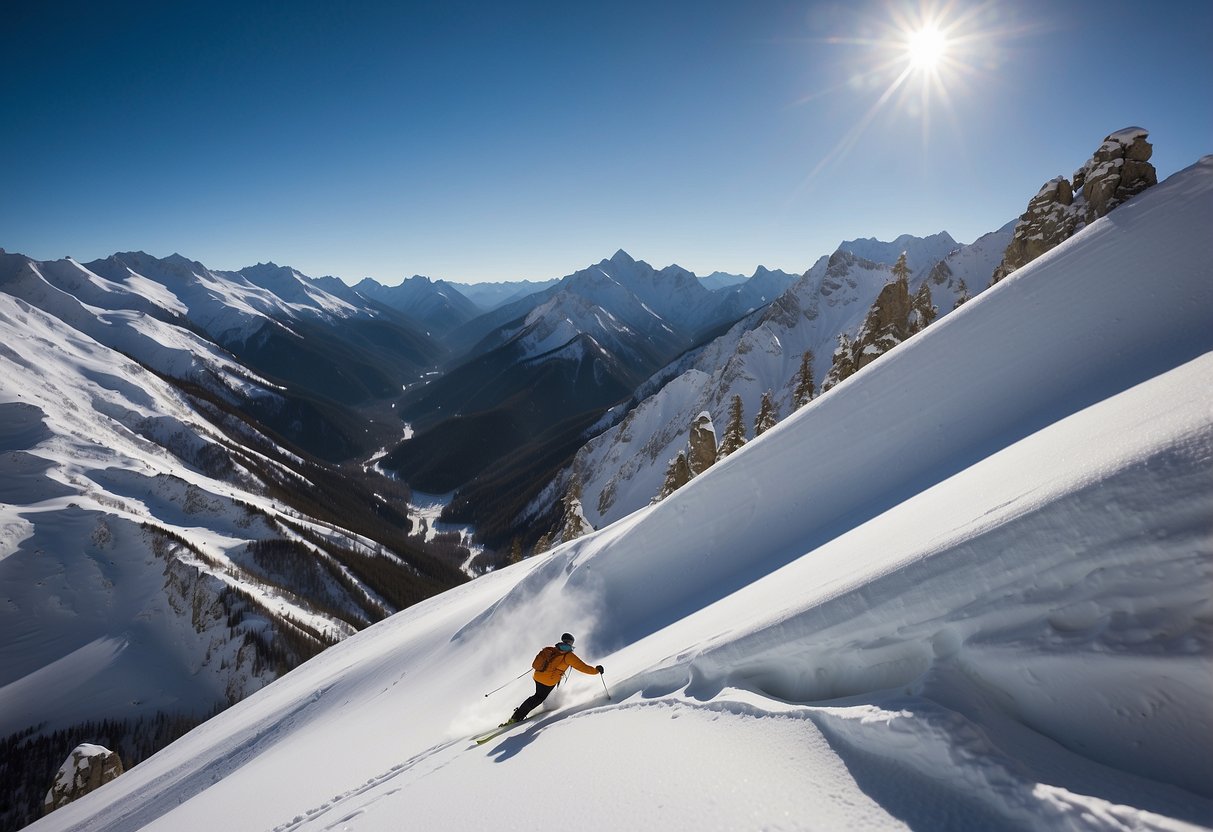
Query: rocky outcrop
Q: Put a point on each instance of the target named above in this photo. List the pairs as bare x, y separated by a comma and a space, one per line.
1118, 170
702, 444
87, 768
574, 524
893, 318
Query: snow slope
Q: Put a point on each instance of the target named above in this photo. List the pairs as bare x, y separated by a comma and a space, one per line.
229, 306
100, 616
968, 588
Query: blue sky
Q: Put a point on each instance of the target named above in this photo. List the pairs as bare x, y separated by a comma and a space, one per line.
501, 141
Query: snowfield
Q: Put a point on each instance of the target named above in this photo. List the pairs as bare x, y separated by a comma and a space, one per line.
969, 588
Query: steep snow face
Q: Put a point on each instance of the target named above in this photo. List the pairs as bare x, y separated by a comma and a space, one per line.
137, 320
622, 469
105, 469
642, 316
299, 293
614, 318
229, 306
671, 298
966, 588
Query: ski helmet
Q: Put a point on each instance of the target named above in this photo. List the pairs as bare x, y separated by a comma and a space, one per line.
567, 638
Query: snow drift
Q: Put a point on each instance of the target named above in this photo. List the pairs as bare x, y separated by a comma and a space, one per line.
968, 588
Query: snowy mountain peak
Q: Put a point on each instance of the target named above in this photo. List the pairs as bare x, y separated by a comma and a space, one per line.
921, 252
271, 276
181, 261
622, 258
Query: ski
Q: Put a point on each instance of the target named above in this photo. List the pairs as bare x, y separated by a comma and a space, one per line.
481, 739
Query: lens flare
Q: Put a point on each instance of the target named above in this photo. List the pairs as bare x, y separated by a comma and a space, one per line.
913, 61
926, 47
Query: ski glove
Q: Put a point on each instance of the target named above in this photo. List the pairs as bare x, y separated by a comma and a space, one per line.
600, 670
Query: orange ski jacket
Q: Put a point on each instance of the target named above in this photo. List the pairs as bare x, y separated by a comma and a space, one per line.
554, 672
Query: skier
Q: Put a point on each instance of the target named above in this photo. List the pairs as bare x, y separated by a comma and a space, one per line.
550, 665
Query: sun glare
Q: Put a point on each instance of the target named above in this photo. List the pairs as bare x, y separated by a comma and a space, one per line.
926, 47
915, 61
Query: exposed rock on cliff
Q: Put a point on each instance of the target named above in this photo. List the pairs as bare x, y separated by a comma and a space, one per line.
1118, 170
87, 768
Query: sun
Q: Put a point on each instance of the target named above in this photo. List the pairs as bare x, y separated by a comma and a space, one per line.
926, 47
915, 61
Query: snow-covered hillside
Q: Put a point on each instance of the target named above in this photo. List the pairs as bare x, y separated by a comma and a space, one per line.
162, 554
126, 512
967, 588
229, 306
622, 468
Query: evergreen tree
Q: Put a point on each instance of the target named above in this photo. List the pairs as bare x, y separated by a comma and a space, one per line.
804, 381
962, 294
677, 474
575, 525
734, 431
844, 362
515, 551
767, 415
542, 544
901, 271
923, 312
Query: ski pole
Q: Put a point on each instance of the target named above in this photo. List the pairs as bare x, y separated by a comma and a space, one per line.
515, 679
604, 687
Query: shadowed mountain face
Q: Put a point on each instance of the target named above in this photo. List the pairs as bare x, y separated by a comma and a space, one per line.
438, 306
492, 406
571, 353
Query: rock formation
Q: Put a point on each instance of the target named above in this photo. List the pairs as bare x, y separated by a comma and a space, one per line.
1118, 170
574, 525
88, 767
702, 444
893, 318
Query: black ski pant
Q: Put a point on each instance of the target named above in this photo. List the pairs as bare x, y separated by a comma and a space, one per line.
535, 700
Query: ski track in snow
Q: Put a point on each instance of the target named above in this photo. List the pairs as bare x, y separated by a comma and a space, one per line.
362, 797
